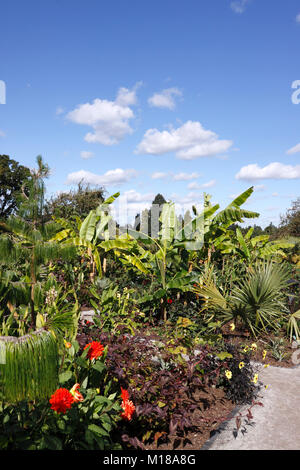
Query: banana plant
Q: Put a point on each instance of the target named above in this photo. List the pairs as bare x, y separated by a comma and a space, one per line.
85, 235
160, 258
250, 249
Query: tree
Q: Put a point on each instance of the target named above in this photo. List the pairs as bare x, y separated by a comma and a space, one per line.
290, 222
154, 225
13, 177
74, 203
27, 236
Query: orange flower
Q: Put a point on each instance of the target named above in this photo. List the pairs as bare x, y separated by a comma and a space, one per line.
127, 405
128, 408
95, 350
68, 345
61, 400
77, 395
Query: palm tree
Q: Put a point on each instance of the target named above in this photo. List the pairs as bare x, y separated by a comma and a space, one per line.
257, 300
27, 237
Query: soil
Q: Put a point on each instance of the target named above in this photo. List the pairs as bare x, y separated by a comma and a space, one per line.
213, 409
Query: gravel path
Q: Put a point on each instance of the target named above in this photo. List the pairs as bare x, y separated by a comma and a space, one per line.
276, 424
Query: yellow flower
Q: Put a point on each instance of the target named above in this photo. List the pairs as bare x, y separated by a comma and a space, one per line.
264, 354
241, 365
232, 326
246, 349
228, 374
255, 378
266, 365
253, 346
98, 390
266, 386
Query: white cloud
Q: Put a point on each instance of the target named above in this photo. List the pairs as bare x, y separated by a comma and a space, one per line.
185, 176
86, 155
132, 196
176, 177
2, 133
165, 99
293, 150
239, 6
298, 18
274, 170
195, 185
110, 178
189, 141
159, 175
108, 119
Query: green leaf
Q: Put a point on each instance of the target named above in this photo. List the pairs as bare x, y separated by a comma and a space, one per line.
87, 229
65, 376
99, 366
97, 430
224, 355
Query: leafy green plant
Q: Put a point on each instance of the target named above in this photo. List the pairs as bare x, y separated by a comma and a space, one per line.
257, 300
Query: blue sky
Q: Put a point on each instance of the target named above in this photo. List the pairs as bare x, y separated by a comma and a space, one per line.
163, 96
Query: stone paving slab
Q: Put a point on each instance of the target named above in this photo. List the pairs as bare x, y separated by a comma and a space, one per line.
276, 425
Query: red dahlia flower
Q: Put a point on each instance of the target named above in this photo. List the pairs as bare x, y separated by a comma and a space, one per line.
95, 350
127, 405
128, 408
61, 400
169, 301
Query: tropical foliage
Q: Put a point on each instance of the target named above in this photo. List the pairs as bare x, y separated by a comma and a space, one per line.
157, 303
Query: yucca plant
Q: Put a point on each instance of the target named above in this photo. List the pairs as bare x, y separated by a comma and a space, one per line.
28, 366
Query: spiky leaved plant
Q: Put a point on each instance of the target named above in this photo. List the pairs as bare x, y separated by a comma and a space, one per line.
257, 300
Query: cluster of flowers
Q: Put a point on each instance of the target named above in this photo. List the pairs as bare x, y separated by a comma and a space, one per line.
253, 347
51, 296
63, 399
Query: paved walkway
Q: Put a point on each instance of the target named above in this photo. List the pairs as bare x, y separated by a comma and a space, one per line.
276, 425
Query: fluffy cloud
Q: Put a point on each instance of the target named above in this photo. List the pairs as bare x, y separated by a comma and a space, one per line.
86, 155
189, 141
274, 170
108, 119
298, 18
132, 196
110, 178
165, 99
293, 150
